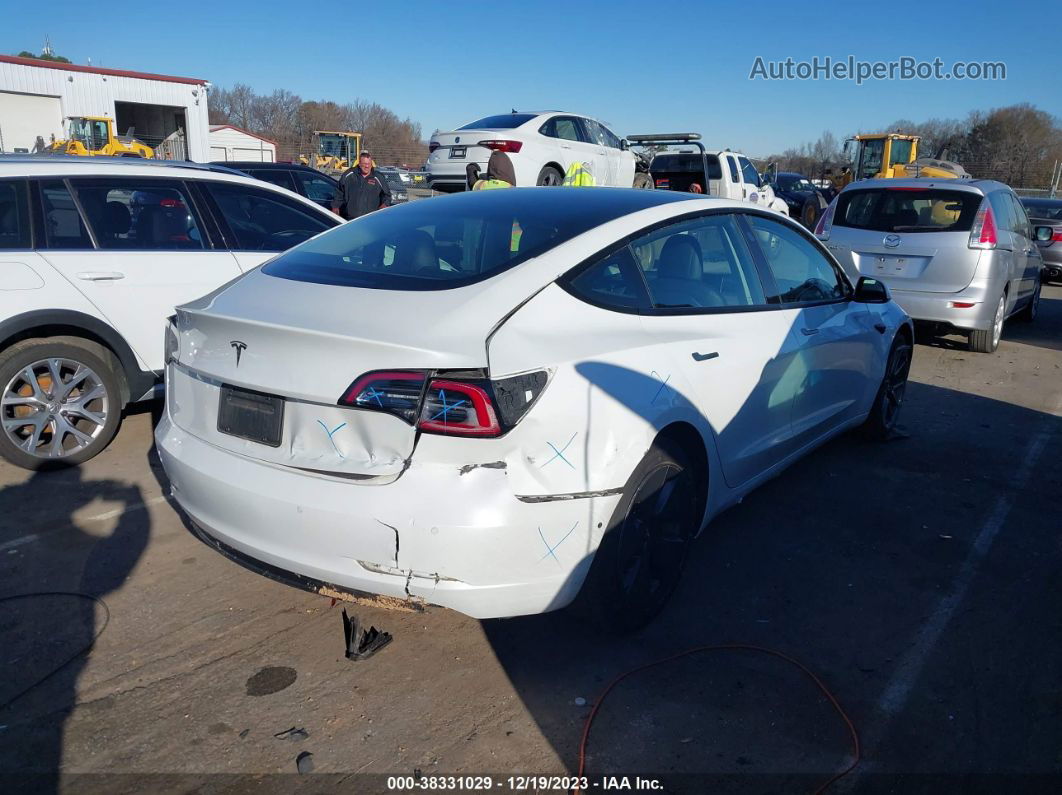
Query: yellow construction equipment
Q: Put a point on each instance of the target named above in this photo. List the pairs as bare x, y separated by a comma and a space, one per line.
334, 151
94, 135
892, 155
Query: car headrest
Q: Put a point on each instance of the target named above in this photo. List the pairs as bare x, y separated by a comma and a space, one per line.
680, 258
415, 251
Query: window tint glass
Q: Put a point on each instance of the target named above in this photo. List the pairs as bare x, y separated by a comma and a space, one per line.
1003, 211
612, 282
563, 127
505, 121
703, 263
317, 188
900, 152
685, 163
903, 210
130, 214
274, 176
801, 272
14, 219
63, 226
436, 245
749, 173
1021, 220
732, 163
1047, 209
264, 221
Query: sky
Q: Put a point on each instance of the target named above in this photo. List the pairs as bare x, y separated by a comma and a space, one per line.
640, 67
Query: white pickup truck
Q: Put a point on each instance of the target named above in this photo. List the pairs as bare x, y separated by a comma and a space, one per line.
729, 175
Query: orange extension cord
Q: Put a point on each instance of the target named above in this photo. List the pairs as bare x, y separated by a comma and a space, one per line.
732, 647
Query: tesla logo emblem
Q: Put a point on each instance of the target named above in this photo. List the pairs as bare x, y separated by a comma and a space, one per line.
892, 241
457, 140
239, 347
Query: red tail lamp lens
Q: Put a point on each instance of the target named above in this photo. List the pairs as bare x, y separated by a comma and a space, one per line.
458, 408
393, 391
503, 146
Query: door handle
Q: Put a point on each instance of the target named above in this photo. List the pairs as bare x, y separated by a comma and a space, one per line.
807, 332
703, 357
100, 276
565, 146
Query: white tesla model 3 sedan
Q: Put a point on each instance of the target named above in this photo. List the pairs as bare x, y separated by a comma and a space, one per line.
500, 401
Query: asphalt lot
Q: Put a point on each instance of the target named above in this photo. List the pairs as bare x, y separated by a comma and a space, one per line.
918, 578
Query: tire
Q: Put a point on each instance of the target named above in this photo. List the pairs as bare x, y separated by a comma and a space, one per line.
643, 181
987, 340
645, 546
885, 413
87, 415
1032, 309
549, 176
809, 213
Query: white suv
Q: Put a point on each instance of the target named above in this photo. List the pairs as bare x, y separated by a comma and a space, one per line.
95, 253
541, 146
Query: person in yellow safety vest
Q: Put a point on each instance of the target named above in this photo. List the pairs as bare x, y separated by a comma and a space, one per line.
579, 175
500, 173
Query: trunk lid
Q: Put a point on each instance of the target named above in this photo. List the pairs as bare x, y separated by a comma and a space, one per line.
306, 345
909, 235
461, 146
927, 261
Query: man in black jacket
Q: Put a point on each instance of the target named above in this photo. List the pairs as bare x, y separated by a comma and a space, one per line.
361, 190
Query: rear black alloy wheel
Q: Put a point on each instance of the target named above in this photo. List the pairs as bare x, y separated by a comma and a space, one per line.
549, 176
60, 403
885, 413
644, 550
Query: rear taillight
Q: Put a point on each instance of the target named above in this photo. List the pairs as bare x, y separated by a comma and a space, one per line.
172, 203
459, 408
432, 146
503, 146
453, 406
1057, 236
983, 232
395, 392
825, 224
664, 182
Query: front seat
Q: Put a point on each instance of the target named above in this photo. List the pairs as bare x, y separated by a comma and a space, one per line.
679, 281
415, 253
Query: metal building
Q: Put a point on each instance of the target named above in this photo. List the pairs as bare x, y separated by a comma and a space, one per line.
36, 96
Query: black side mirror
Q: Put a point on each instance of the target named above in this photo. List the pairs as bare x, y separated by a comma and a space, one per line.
624, 144
871, 291
1044, 234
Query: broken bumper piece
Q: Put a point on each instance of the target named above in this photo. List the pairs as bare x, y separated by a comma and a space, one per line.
434, 535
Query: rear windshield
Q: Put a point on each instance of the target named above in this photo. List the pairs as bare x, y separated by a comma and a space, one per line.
682, 163
1047, 209
437, 244
505, 121
907, 210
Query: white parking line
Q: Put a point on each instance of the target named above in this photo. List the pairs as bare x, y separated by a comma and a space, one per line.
29, 538
898, 690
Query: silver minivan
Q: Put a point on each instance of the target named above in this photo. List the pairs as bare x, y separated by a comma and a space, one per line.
957, 253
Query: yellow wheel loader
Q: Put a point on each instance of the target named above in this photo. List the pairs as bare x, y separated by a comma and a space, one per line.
94, 135
892, 155
334, 151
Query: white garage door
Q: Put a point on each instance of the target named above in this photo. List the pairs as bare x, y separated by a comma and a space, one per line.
258, 155
25, 116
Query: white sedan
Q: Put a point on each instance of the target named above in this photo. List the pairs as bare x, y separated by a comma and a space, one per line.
541, 147
501, 401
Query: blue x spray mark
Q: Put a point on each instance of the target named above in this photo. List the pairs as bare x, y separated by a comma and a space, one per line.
551, 550
332, 433
373, 394
447, 407
663, 384
560, 453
